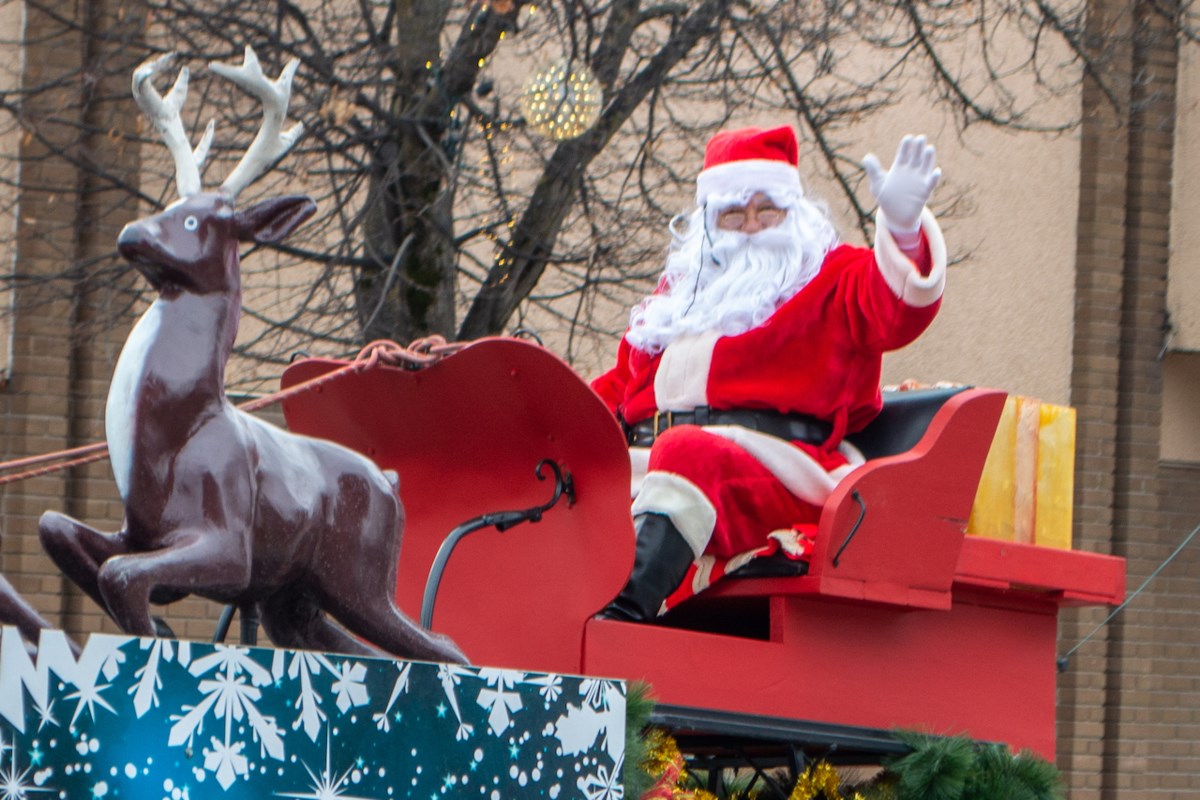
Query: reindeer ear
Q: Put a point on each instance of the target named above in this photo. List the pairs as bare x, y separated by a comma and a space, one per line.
272, 220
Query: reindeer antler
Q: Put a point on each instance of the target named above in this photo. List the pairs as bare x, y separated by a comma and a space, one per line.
270, 144
164, 115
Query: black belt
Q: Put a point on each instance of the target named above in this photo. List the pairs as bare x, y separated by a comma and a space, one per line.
793, 427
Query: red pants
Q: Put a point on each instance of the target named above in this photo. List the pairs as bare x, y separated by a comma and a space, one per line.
725, 500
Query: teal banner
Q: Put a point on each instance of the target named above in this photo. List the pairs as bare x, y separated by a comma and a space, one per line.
158, 719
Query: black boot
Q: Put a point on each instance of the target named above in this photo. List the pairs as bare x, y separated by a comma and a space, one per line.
660, 564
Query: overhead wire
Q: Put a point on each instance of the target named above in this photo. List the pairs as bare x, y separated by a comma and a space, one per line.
1063, 661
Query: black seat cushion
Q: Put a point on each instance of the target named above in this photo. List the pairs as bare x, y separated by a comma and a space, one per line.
902, 422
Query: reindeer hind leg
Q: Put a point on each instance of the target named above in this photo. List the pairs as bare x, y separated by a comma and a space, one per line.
357, 586
202, 560
372, 614
293, 618
14, 610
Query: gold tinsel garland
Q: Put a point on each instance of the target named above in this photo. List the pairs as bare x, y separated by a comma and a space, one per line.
820, 782
664, 763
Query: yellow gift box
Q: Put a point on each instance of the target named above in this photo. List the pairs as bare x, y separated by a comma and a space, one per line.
1026, 492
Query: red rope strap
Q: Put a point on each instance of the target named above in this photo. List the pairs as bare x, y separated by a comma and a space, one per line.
421, 353
35, 473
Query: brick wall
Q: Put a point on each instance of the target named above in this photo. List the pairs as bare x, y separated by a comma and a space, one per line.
1175, 756
1082, 708
36, 404
65, 342
1129, 707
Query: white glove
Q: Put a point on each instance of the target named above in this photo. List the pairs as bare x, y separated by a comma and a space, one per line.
903, 191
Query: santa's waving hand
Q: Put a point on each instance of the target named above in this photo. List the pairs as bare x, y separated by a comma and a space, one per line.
903, 224
903, 190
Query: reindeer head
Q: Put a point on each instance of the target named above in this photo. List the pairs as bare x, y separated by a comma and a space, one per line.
191, 246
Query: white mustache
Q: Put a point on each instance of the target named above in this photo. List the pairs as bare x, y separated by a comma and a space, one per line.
768, 242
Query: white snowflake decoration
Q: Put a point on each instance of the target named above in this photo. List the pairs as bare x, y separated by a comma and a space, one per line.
501, 700
450, 677
232, 695
383, 718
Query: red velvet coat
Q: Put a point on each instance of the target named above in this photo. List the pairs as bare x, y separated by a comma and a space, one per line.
820, 353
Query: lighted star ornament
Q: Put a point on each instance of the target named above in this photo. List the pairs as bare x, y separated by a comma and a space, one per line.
561, 101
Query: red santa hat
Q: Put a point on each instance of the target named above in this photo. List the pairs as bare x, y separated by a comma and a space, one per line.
750, 160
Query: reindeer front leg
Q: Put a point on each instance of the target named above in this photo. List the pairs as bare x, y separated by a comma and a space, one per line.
192, 560
14, 610
79, 550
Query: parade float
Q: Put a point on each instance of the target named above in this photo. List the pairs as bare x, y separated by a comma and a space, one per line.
482, 490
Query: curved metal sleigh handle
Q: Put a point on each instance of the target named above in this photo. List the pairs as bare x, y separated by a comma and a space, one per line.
862, 505
501, 521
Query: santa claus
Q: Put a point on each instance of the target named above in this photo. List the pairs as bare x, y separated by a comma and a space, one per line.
739, 378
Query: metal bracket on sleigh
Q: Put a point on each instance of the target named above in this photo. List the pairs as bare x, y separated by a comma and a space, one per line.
501, 521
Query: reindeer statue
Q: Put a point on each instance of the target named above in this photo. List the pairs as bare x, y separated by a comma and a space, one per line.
218, 503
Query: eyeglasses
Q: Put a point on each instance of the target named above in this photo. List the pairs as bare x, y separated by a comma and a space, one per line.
766, 215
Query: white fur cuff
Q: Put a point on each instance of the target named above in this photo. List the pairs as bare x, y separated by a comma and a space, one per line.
678, 498
901, 273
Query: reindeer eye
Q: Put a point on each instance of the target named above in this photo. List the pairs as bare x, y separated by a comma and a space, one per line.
191, 224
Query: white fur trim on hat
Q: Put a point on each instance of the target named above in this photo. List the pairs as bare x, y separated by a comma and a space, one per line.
776, 178
898, 270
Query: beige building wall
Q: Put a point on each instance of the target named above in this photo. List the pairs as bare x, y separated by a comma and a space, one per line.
12, 59
1007, 314
1181, 340
1183, 289
1007, 204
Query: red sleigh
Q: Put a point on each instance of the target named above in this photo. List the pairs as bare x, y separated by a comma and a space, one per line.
902, 620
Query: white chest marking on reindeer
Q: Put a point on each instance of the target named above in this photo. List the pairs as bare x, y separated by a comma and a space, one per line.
120, 412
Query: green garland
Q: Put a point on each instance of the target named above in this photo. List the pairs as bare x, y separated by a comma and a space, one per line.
639, 739
956, 768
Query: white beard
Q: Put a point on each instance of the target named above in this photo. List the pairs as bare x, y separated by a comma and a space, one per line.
735, 283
